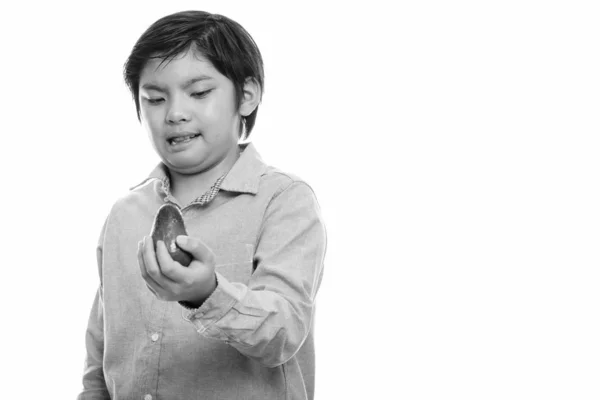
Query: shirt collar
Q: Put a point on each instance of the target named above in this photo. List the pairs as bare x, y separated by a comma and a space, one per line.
244, 176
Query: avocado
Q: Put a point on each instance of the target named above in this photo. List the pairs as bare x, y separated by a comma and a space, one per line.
168, 224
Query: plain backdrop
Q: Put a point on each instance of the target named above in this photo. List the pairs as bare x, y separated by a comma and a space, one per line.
453, 146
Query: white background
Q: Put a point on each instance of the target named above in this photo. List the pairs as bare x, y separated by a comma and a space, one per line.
453, 147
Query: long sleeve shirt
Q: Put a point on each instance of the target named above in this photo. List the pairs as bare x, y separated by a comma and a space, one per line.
253, 337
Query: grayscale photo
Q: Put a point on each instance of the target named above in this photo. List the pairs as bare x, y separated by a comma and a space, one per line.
301, 200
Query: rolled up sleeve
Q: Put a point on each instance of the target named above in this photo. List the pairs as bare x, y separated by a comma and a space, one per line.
269, 319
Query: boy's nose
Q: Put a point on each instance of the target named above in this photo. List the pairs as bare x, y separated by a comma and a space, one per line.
177, 112
177, 116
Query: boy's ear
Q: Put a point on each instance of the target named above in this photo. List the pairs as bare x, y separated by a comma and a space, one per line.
250, 97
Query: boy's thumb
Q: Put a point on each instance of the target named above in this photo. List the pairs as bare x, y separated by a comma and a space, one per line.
196, 248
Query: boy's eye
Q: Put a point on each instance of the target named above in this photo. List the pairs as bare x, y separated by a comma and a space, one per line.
155, 100
201, 94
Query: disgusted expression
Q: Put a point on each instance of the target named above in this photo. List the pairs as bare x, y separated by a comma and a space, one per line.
189, 110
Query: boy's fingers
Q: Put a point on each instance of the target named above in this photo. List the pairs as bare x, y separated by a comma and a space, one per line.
151, 289
148, 266
171, 269
141, 261
196, 248
143, 271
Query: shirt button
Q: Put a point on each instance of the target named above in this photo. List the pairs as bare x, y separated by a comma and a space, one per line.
154, 339
148, 397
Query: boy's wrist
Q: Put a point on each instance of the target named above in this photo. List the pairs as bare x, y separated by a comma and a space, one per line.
190, 305
197, 303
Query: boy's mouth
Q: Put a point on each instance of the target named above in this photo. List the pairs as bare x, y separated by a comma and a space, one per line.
182, 138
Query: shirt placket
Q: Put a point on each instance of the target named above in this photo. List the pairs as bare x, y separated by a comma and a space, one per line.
152, 346
156, 318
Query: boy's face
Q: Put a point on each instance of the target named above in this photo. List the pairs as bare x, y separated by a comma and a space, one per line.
188, 108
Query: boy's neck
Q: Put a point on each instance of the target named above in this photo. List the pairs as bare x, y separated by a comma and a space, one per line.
187, 188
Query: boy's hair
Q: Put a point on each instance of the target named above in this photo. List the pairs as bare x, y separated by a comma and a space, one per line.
224, 42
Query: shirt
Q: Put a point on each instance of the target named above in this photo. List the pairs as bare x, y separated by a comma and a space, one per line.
253, 338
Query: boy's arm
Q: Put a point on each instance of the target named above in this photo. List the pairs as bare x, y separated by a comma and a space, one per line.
94, 386
269, 319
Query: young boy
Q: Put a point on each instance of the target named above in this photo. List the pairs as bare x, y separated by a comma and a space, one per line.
237, 323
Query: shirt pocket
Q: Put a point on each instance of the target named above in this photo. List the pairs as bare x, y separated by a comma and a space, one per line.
234, 261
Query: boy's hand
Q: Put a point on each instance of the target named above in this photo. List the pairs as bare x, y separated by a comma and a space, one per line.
171, 281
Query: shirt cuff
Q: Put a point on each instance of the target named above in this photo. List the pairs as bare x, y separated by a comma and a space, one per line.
221, 301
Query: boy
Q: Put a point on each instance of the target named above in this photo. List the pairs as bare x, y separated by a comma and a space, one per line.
237, 323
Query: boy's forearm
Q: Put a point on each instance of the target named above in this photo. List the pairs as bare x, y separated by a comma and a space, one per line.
94, 394
270, 318
261, 324
94, 385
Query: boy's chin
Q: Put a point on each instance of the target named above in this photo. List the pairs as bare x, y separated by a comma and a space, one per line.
185, 164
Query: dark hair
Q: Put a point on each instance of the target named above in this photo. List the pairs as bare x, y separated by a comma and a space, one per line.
224, 42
